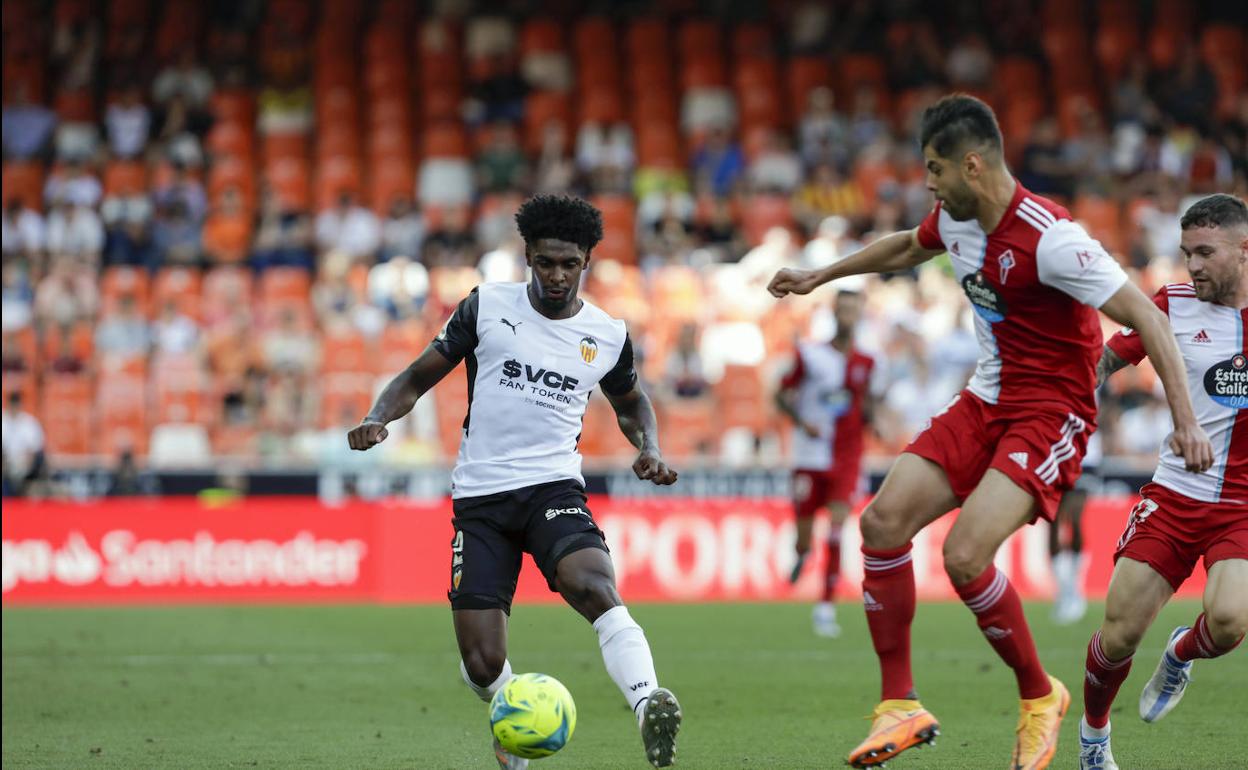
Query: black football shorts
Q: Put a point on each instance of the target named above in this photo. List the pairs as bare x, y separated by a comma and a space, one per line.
493, 532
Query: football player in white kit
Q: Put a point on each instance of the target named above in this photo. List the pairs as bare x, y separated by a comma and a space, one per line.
1184, 515
533, 352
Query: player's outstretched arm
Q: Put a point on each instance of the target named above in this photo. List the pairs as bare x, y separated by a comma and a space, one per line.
635, 414
400, 396
1130, 307
1110, 363
890, 254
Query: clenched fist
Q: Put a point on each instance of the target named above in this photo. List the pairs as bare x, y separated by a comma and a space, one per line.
793, 281
367, 435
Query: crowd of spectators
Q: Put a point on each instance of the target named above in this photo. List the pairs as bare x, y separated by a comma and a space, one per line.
702, 236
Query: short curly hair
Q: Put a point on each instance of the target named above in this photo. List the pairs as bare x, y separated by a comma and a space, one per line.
1217, 210
561, 217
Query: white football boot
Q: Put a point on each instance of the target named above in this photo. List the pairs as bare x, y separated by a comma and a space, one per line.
1165, 688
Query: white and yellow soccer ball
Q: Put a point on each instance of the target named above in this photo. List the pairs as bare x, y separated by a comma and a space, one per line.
532, 716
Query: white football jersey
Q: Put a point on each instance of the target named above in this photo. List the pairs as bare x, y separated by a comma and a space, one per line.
1212, 341
529, 380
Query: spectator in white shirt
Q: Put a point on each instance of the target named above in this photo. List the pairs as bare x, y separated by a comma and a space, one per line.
348, 227
68, 293
173, 333
185, 78
125, 333
72, 185
403, 230
25, 234
23, 446
777, 168
76, 230
128, 121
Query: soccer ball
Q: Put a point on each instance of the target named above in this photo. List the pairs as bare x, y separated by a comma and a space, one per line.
532, 716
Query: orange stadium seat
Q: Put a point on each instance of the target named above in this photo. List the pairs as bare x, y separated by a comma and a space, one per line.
225, 288
646, 38
1224, 45
764, 212
703, 70
291, 181
123, 280
25, 383
23, 180
284, 146
179, 285
858, 69
445, 140
67, 415
1103, 219
658, 146
284, 284
699, 37
619, 218
337, 138
541, 36
345, 352
232, 172
591, 34
233, 139
390, 179
345, 399
600, 105
1115, 45
599, 70
687, 427
78, 340
337, 105
178, 391
392, 112
400, 344
121, 408
753, 39
805, 74
334, 177
125, 177
234, 105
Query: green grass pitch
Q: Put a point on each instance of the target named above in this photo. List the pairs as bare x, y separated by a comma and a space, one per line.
379, 687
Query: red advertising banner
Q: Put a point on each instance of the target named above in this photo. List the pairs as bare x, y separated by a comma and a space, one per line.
300, 549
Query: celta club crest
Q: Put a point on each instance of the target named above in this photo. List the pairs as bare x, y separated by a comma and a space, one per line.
1005, 261
589, 349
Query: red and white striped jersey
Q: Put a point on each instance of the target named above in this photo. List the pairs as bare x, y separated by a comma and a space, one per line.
1033, 282
1215, 353
832, 388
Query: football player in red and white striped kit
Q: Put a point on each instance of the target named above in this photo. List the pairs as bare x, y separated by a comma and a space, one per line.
1009, 444
1184, 516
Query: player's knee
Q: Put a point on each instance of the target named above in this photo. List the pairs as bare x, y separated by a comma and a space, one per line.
484, 664
1121, 636
882, 527
964, 561
1227, 625
589, 591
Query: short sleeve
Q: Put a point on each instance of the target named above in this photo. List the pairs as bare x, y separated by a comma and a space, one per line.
458, 337
1126, 344
794, 376
1073, 262
623, 376
929, 230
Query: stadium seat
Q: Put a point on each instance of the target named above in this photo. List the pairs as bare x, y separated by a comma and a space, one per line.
232, 172
1224, 45
121, 408
1103, 219
67, 416
445, 140
180, 285
23, 180
335, 176
591, 34
600, 436
1115, 45
698, 38
687, 427
234, 105
390, 178
541, 36
646, 38
763, 212
124, 178
224, 289
345, 399
291, 183
659, 146
619, 219
600, 105
178, 391
400, 344
345, 351
231, 139
753, 39
284, 284
277, 147
805, 74
124, 280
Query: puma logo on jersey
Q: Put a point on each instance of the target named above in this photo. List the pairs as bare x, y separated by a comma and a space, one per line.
510, 325
1202, 337
1021, 458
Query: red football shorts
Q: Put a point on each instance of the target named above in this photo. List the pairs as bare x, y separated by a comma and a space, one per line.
813, 490
1040, 451
1170, 532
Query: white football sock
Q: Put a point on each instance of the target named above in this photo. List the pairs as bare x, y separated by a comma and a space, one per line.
487, 692
1078, 569
1064, 573
1088, 731
626, 654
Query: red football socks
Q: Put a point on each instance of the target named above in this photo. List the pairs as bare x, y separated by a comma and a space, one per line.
1000, 615
888, 596
1197, 643
1101, 682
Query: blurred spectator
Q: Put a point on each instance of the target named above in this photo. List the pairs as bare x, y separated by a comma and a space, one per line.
23, 446
13, 356
67, 294
173, 333
916, 61
824, 131
129, 242
128, 121
832, 242
178, 132
27, 126
605, 156
450, 241
555, 170
231, 352
184, 78
502, 166
445, 182
1210, 169
129, 480
76, 230
227, 230
1089, 151
289, 347
719, 231
504, 264
72, 184
284, 237
1189, 92
403, 230
1044, 170
1130, 99
66, 359
183, 188
717, 165
970, 62
176, 235
350, 228
683, 375
777, 167
865, 122
338, 302
499, 95
399, 287
123, 333
1157, 230
826, 193
285, 108
24, 233
1141, 429
911, 401
18, 298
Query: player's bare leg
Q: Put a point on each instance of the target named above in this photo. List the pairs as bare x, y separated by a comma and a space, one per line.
914, 494
1136, 594
995, 510
801, 548
824, 614
482, 639
586, 580
1218, 630
1070, 605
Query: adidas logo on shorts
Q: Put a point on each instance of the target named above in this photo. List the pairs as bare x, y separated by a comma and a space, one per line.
1021, 458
